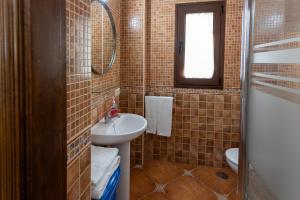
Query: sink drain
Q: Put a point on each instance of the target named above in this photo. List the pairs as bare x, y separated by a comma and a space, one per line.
222, 175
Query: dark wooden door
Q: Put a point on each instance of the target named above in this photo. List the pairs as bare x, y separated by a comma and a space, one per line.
32, 100
10, 157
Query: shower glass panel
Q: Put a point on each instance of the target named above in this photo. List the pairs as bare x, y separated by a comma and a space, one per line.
273, 112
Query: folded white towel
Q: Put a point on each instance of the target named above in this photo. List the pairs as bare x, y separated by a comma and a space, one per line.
164, 116
101, 159
98, 189
151, 113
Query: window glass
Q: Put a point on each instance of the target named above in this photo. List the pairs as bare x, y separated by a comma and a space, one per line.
199, 49
199, 46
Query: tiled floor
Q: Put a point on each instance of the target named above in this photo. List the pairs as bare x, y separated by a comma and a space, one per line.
161, 180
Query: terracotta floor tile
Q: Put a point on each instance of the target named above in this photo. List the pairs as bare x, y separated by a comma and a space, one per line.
187, 188
186, 166
205, 185
140, 184
162, 171
207, 175
155, 196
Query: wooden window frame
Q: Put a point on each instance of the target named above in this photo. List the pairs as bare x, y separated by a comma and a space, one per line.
216, 82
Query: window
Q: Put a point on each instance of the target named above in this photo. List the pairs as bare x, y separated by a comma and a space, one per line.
200, 45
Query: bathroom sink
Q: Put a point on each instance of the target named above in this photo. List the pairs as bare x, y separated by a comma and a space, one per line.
118, 130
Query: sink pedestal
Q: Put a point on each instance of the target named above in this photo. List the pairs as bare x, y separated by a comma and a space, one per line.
123, 191
118, 132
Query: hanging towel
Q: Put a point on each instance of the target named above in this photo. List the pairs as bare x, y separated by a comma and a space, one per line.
151, 113
101, 159
99, 187
164, 116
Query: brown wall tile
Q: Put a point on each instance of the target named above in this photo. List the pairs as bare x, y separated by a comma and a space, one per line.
73, 193
85, 159
83, 107
79, 174
87, 194
104, 86
147, 68
78, 68
72, 173
85, 179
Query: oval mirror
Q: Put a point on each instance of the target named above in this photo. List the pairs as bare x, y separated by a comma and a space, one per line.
103, 37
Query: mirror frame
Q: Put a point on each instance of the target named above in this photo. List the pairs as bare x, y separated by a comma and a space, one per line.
114, 32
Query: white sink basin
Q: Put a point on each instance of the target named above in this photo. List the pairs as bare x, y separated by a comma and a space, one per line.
118, 130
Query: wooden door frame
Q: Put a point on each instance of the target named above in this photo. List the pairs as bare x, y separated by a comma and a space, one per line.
33, 100
10, 105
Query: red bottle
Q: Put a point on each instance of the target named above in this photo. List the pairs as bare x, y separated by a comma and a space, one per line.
114, 109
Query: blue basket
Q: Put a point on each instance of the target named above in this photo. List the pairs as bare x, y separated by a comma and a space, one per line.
110, 190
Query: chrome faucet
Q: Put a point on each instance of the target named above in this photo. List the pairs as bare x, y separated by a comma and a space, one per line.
108, 117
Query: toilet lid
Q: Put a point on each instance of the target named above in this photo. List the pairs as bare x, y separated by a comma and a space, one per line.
233, 155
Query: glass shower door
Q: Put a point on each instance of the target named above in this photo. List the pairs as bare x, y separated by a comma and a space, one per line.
273, 101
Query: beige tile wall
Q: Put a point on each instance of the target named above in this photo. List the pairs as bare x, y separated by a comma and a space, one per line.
133, 102
78, 99
96, 34
204, 125
104, 86
83, 106
148, 54
133, 65
162, 34
132, 44
78, 69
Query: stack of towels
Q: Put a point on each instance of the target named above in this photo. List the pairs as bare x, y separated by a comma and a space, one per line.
104, 166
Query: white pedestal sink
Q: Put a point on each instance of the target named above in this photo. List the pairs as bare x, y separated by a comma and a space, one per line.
119, 132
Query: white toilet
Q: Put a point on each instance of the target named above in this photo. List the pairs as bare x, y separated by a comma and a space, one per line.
232, 158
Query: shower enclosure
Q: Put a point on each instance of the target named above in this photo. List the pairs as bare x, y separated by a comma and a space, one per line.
271, 100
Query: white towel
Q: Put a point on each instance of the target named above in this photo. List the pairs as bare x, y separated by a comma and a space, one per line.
151, 113
98, 189
101, 159
164, 116
159, 115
